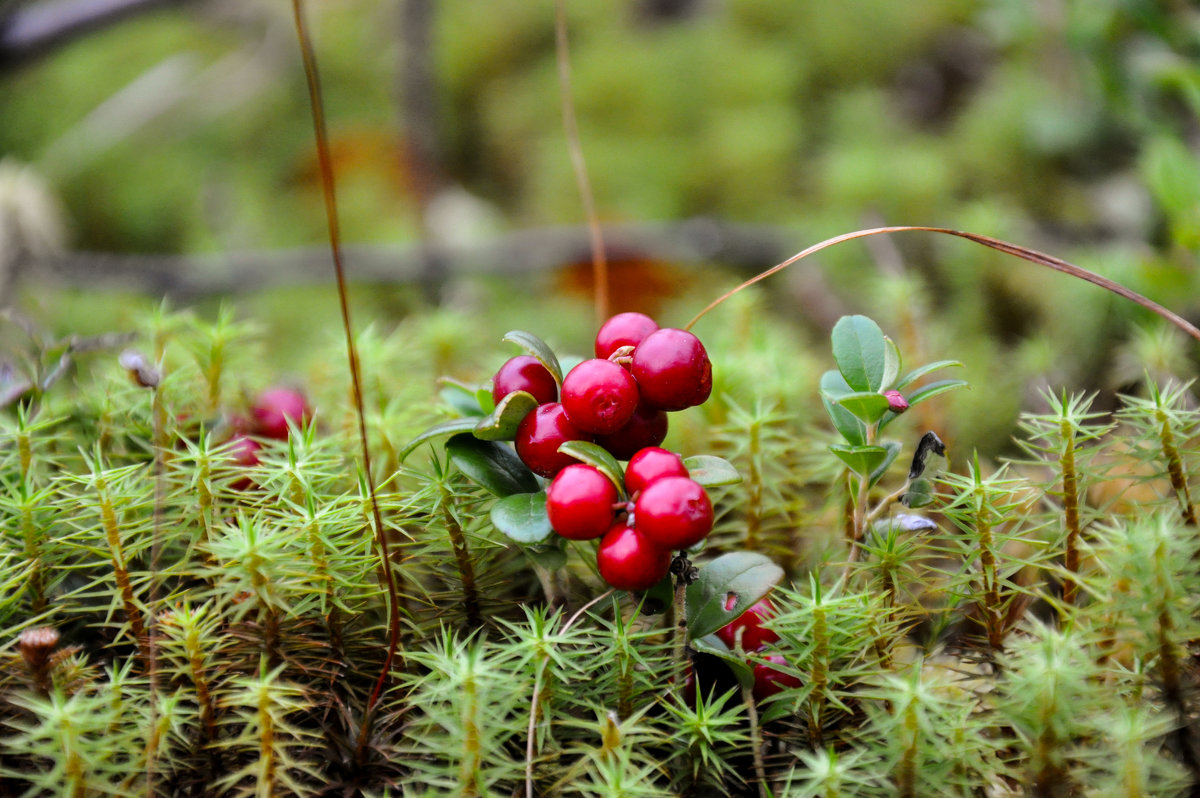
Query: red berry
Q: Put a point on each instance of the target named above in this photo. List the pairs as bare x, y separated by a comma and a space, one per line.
623, 329
525, 373
672, 370
541, 433
768, 681
274, 407
650, 464
581, 502
244, 451
754, 635
674, 513
629, 561
599, 396
646, 427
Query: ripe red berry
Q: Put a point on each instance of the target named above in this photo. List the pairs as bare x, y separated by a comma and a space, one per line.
629, 561
650, 464
646, 427
599, 396
674, 513
672, 370
581, 502
541, 433
623, 329
525, 373
274, 407
768, 681
754, 635
244, 452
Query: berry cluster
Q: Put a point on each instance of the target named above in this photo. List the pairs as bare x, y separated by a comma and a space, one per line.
269, 416
748, 630
619, 399
665, 511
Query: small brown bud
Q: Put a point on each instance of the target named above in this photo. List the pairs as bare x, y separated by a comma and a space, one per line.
36, 645
141, 370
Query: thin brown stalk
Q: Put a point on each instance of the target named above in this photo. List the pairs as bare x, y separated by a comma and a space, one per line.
579, 165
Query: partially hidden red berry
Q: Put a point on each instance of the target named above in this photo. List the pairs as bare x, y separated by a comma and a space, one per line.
750, 622
768, 680
599, 396
646, 427
274, 407
672, 370
541, 433
650, 464
525, 373
896, 401
629, 561
581, 502
244, 451
674, 513
623, 329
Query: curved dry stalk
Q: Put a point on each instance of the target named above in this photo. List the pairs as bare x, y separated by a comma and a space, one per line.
1025, 253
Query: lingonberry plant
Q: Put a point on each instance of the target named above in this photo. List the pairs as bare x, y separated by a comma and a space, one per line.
214, 586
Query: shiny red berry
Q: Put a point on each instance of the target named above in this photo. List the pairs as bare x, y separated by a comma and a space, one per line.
541, 433
243, 450
525, 373
896, 401
674, 513
623, 329
650, 464
629, 561
646, 427
599, 396
672, 370
581, 502
768, 680
750, 622
274, 407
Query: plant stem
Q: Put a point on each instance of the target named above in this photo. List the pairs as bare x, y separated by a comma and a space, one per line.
756, 740
1071, 510
112, 534
1175, 468
466, 569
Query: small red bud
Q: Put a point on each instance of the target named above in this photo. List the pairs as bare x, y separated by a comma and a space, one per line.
896, 401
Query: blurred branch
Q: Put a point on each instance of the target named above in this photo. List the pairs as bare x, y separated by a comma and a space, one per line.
29, 31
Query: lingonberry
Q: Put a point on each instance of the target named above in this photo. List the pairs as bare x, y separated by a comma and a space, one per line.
896, 401
754, 634
672, 370
274, 407
629, 561
646, 427
674, 512
243, 450
525, 373
768, 681
599, 396
650, 464
581, 502
541, 433
623, 329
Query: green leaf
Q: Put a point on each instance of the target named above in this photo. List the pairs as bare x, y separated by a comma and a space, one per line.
891, 363
550, 556
502, 423
598, 457
893, 449
743, 671
445, 429
919, 493
867, 406
860, 352
656, 600
747, 576
919, 372
711, 471
460, 397
933, 389
833, 385
492, 465
522, 516
538, 348
861, 460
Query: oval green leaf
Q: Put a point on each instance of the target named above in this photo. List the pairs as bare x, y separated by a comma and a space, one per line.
891, 363
743, 670
501, 424
860, 352
744, 576
598, 457
833, 385
862, 460
866, 406
893, 449
445, 429
538, 348
491, 465
711, 471
522, 517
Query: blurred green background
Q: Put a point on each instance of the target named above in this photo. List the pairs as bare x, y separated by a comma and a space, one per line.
1065, 125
